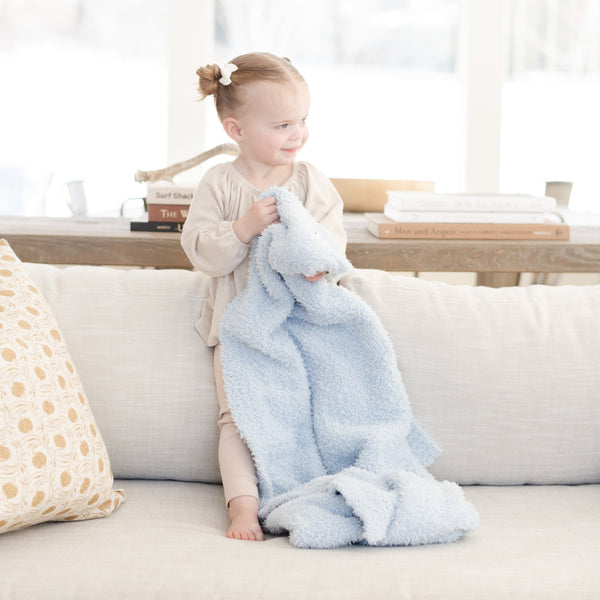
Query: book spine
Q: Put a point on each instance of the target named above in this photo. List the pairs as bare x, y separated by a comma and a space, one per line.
156, 226
428, 201
171, 213
465, 231
431, 216
166, 195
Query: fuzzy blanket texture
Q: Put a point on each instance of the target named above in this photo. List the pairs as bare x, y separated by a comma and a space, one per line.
314, 389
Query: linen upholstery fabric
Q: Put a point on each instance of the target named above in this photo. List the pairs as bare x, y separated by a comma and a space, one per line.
505, 380
147, 371
167, 542
484, 368
53, 462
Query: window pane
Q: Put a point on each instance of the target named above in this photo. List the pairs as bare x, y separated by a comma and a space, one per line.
551, 122
84, 98
555, 36
385, 97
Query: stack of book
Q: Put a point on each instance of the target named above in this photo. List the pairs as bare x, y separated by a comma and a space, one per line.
166, 208
432, 215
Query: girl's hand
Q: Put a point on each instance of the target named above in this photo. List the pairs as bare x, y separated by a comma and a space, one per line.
316, 276
259, 216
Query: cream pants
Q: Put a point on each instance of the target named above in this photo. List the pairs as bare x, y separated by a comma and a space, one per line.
236, 464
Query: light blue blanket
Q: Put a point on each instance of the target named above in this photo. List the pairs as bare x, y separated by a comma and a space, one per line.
314, 389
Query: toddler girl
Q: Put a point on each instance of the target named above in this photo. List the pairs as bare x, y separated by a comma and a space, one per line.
262, 102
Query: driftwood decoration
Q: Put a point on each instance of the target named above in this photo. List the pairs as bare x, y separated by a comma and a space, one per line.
169, 172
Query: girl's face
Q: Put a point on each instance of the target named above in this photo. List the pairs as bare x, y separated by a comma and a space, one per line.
272, 123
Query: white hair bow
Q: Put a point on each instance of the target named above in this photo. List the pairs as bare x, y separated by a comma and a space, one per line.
226, 71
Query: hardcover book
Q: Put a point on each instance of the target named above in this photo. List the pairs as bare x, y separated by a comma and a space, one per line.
383, 227
169, 194
145, 225
460, 216
422, 201
171, 213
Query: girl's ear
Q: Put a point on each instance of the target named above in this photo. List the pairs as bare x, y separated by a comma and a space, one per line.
232, 129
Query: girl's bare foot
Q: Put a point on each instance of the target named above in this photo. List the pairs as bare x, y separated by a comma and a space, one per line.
243, 513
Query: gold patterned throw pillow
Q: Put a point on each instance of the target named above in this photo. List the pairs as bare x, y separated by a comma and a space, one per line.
53, 462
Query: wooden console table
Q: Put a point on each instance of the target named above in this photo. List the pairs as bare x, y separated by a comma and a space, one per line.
108, 241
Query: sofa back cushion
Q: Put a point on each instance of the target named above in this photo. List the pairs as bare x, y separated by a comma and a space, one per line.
507, 381
146, 371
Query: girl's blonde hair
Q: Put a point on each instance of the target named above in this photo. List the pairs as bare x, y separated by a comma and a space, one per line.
251, 67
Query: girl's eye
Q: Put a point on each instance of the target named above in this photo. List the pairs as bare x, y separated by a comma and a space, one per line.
282, 126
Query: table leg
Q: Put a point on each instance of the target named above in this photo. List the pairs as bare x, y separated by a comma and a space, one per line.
496, 280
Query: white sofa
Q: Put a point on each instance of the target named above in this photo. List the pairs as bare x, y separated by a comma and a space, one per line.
505, 380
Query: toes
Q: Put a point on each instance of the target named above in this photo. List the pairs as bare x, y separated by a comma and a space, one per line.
252, 534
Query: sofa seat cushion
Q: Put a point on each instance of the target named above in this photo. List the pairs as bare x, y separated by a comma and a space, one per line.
167, 541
